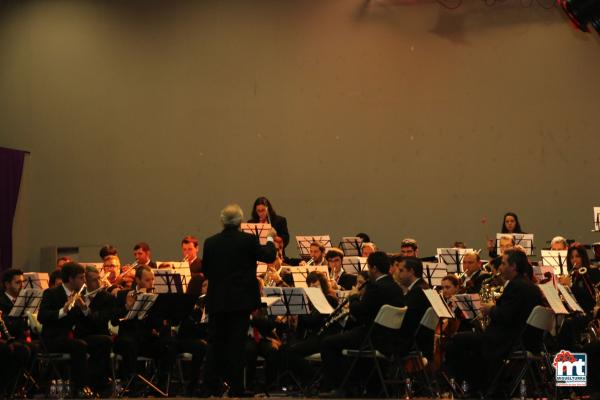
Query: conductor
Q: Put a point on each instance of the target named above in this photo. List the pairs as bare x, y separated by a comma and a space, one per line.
230, 266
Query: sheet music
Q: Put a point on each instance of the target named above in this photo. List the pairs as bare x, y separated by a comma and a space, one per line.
452, 258
318, 300
468, 304
143, 303
540, 271
28, 300
568, 296
555, 259
354, 264
174, 264
303, 243
524, 240
269, 301
261, 268
36, 280
437, 302
277, 307
553, 298
172, 280
437, 270
260, 230
351, 245
300, 273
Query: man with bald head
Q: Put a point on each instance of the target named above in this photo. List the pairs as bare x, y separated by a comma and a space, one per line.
230, 266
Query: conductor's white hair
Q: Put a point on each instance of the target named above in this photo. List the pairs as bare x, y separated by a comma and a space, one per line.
232, 215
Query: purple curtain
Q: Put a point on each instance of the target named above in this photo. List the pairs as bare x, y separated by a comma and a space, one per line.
11, 168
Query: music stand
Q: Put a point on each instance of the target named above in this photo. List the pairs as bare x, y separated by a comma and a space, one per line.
143, 304
524, 240
303, 243
452, 257
36, 280
438, 304
353, 264
569, 298
277, 307
556, 259
174, 307
300, 273
171, 280
596, 219
469, 305
174, 264
434, 273
260, 230
28, 301
318, 300
351, 245
554, 301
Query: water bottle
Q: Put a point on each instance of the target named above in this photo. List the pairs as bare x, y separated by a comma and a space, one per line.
523, 390
118, 387
464, 387
59, 389
67, 389
52, 392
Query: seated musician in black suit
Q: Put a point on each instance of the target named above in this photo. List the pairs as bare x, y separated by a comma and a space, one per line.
189, 248
14, 349
93, 328
474, 275
62, 307
338, 278
476, 357
409, 274
380, 290
149, 337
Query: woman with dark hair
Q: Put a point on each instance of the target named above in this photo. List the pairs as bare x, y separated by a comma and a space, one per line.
583, 276
510, 224
319, 280
264, 213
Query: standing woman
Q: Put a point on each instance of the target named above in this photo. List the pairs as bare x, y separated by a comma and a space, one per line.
510, 224
264, 213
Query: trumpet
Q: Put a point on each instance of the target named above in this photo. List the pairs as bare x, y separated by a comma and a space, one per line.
75, 297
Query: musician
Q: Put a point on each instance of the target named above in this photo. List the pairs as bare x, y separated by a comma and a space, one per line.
93, 327
189, 248
559, 243
107, 250
450, 287
149, 337
54, 279
111, 268
142, 254
230, 266
476, 357
62, 307
367, 248
264, 213
474, 275
409, 248
582, 284
62, 261
339, 279
382, 290
510, 224
14, 351
409, 274
317, 254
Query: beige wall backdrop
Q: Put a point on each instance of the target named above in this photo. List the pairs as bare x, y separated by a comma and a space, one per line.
391, 117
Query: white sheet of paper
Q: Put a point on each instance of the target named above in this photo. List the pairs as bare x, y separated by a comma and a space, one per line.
571, 302
269, 301
36, 298
437, 303
553, 298
318, 300
597, 218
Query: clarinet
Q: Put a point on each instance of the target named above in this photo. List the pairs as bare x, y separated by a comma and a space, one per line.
4, 329
335, 316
